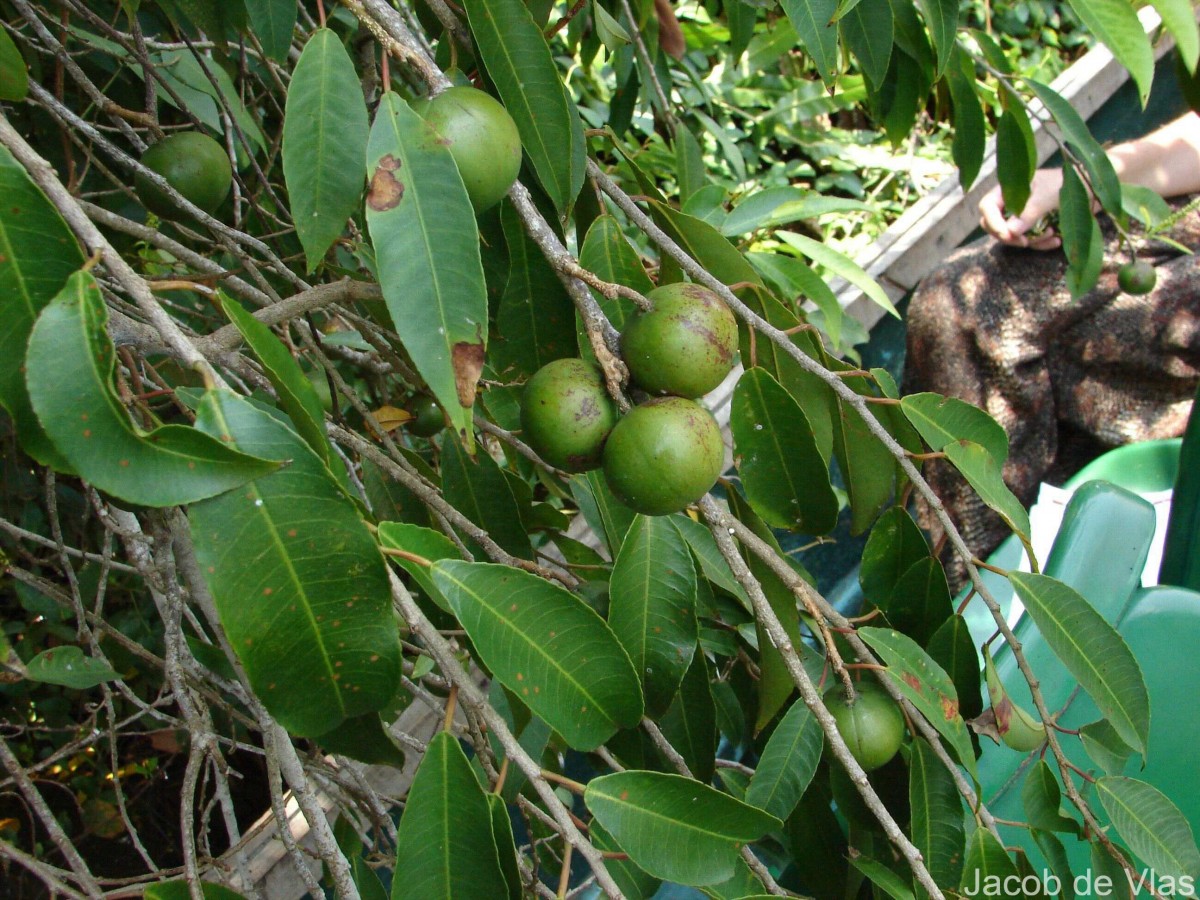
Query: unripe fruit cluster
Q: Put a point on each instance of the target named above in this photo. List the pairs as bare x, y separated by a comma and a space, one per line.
666, 453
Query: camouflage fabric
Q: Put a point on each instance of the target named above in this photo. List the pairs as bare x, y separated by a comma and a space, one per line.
996, 326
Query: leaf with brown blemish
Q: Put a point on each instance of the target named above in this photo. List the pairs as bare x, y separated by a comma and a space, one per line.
386, 189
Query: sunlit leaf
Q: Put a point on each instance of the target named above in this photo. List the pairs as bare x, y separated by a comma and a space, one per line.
70, 667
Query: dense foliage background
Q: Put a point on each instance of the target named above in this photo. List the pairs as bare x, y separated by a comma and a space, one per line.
236, 572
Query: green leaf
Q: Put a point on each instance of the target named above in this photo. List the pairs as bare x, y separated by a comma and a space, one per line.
70, 667
883, 877
1042, 801
298, 582
1116, 24
970, 133
445, 845
363, 738
987, 863
272, 22
952, 648
895, 544
1092, 650
977, 465
920, 602
1105, 746
426, 243
867, 466
632, 881
815, 25
841, 265
1101, 174
548, 647
1083, 243
425, 543
705, 244
1154, 829
14, 79
69, 373
193, 85
942, 420
296, 394
676, 828
607, 515
536, 320
653, 606
783, 473
689, 163
774, 206
478, 489
712, 564
1014, 147
1180, 21
941, 20
521, 65
38, 253
506, 848
325, 130
787, 762
179, 890
937, 815
924, 684
1060, 865
690, 724
868, 31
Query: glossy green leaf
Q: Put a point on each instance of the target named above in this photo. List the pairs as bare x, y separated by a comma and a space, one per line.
924, 684
705, 244
653, 607
299, 584
1154, 829
814, 23
953, 649
179, 890
895, 544
423, 542
633, 882
521, 65
868, 468
365, 739
978, 466
426, 243
841, 265
548, 647
783, 473
1101, 174
478, 489
867, 31
69, 373
937, 814
1060, 865
787, 763
941, 20
883, 878
14, 79
676, 828
1180, 20
690, 723
325, 129
987, 863
536, 320
689, 163
1116, 24
70, 667
1042, 800
445, 845
38, 253
273, 22
712, 564
920, 601
608, 516
502, 833
941, 420
774, 206
970, 133
1092, 650
296, 394
1105, 746
1083, 243
1013, 150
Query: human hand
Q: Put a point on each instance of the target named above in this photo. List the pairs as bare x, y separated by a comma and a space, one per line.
1015, 230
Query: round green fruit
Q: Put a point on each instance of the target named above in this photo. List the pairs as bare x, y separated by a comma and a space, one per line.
427, 419
567, 414
872, 726
1137, 277
482, 138
685, 345
194, 164
663, 455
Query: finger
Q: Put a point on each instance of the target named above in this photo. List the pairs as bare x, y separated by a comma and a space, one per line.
1047, 241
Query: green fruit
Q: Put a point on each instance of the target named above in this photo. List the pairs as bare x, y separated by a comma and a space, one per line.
685, 345
192, 163
663, 455
1137, 277
482, 138
428, 418
872, 726
567, 414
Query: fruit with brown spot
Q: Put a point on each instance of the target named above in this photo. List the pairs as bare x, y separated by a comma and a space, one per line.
567, 414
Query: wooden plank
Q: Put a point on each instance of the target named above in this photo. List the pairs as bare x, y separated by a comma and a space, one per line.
925, 234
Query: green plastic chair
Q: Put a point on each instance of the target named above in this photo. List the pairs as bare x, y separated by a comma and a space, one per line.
1101, 550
